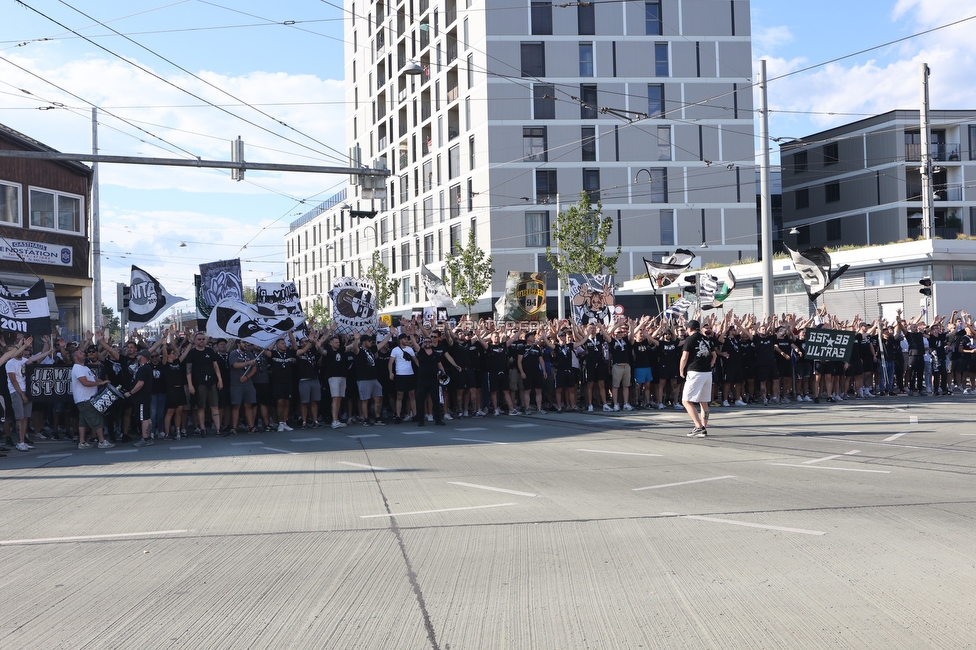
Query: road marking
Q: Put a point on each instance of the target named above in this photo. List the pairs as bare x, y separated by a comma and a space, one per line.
378, 469
415, 433
281, 451
510, 426
913, 419
820, 460
751, 525
596, 420
249, 442
11, 542
176, 447
56, 455
493, 489
123, 451
621, 453
427, 512
474, 428
895, 437
699, 480
305, 439
839, 469
487, 442
365, 435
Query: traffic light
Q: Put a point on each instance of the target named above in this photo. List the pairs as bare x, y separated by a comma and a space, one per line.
692, 281
926, 289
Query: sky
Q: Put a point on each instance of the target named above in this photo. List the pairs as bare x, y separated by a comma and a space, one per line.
273, 74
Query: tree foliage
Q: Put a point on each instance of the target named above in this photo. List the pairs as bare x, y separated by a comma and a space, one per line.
580, 237
379, 275
470, 272
111, 321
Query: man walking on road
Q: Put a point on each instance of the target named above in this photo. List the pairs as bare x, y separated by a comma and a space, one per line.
697, 359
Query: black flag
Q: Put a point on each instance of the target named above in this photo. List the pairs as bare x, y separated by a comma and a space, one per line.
813, 266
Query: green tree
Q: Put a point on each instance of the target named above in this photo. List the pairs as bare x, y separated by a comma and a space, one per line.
379, 275
111, 321
318, 314
580, 235
470, 271
250, 295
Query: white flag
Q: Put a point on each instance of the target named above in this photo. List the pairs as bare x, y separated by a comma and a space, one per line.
147, 299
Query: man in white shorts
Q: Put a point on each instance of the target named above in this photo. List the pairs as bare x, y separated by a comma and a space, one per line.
697, 358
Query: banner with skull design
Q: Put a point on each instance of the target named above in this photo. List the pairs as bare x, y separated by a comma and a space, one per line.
592, 298
354, 305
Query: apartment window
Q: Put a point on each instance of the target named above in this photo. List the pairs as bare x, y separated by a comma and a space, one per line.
406, 290
544, 101
972, 143
470, 195
404, 222
591, 184
10, 204
585, 18
472, 160
658, 183
464, 35
541, 18
972, 219
454, 162
454, 196
428, 212
655, 100
533, 60
55, 211
833, 230
455, 236
470, 70
588, 143
586, 59
667, 227
652, 18
534, 144
661, 68
467, 113
428, 174
545, 186
404, 256
799, 162
802, 199
404, 188
830, 156
537, 229
832, 192
803, 239
664, 143
384, 230
589, 110
429, 249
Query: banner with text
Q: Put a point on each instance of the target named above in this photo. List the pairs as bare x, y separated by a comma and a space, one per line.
828, 345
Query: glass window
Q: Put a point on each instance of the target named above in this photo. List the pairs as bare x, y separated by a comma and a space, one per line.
588, 143
833, 230
470, 70
404, 256
533, 60
652, 18
658, 182
429, 249
428, 212
799, 162
972, 141
455, 200
832, 192
661, 68
41, 209
472, 160
589, 108
545, 186
534, 144
384, 230
455, 236
453, 162
667, 227
830, 153
591, 184
585, 18
537, 229
9, 204
586, 59
802, 198
544, 101
404, 222
664, 143
655, 100
541, 18
406, 289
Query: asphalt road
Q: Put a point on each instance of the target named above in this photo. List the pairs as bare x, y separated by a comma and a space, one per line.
814, 526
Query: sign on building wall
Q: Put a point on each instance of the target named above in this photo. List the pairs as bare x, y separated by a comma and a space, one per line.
32, 252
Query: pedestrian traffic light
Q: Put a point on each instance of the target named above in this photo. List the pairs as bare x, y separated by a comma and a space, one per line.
926, 289
692, 281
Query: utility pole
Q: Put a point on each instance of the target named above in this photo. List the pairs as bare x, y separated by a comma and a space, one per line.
560, 308
926, 159
96, 235
766, 216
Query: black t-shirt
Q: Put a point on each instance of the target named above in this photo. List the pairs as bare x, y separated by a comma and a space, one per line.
699, 348
159, 384
643, 354
620, 350
202, 371
305, 365
366, 364
765, 349
496, 358
174, 374
282, 366
144, 374
530, 359
426, 367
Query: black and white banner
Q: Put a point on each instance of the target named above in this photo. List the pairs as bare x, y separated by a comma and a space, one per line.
282, 298
679, 308
219, 280
48, 383
354, 305
437, 292
813, 266
828, 345
147, 298
661, 274
27, 312
236, 319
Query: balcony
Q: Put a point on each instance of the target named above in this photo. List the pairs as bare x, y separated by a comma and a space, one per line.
940, 152
940, 192
452, 94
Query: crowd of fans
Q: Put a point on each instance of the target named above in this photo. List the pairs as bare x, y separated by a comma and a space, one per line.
184, 383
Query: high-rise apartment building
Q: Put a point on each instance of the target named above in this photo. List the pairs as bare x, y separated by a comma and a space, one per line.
493, 114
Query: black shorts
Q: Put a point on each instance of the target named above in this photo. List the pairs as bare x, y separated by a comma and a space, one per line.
175, 396
733, 373
766, 373
405, 383
568, 378
464, 378
281, 390
263, 393
498, 381
597, 372
533, 380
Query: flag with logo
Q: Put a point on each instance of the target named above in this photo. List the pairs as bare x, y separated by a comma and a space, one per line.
354, 305
147, 298
27, 312
813, 267
524, 297
219, 280
236, 319
592, 298
661, 274
437, 292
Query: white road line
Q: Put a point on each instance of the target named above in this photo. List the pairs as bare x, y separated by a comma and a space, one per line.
493, 489
751, 525
427, 512
11, 542
54, 456
177, 447
895, 437
487, 442
249, 442
596, 420
967, 434
472, 429
305, 439
839, 469
365, 435
820, 460
913, 419
620, 453
281, 451
372, 467
123, 451
665, 485
415, 433
510, 426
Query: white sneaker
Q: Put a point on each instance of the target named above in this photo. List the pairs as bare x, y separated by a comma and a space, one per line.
589, 409
606, 407
479, 413
679, 407
22, 446
338, 425
807, 398
660, 406
616, 407
288, 428
775, 400
498, 412
430, 417
740, 402
466, 414
765, 401
725, 403
515, 411
786, 400
540, 412
281, 427
447, 416
628, 407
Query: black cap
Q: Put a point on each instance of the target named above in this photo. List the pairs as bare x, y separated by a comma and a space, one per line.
143, 353
693, 325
